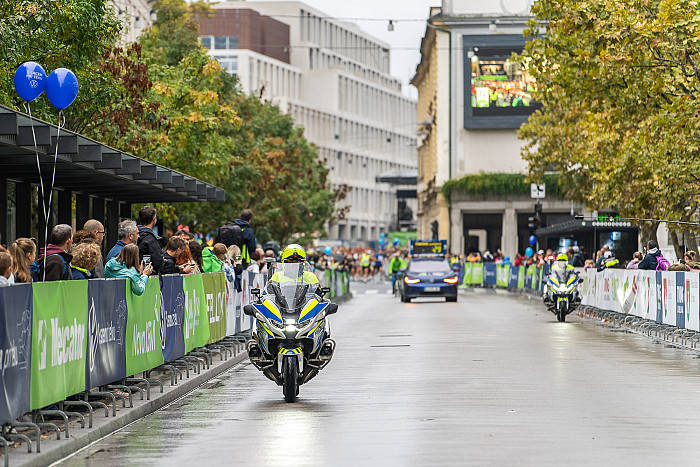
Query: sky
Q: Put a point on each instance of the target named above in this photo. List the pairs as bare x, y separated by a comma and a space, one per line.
404, 40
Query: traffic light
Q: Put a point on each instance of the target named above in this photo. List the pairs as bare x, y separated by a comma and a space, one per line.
531, 224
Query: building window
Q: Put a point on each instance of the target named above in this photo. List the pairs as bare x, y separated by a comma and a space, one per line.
232, 42
206, 42
220, 42
498, 90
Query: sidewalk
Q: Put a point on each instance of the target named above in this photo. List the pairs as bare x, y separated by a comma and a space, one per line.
53, 450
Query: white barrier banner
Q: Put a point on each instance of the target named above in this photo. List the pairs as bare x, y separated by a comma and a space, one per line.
231, 318
668, 302
692, 301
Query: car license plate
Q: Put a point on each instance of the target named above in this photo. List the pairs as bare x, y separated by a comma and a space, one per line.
432, 289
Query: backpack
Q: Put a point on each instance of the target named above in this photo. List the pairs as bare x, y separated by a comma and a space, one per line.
35, 267
230, 234
662, 264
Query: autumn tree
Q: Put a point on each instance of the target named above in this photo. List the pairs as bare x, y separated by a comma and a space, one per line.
618, 81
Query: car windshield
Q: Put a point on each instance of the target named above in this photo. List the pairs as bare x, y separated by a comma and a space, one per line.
429, 266
290, 285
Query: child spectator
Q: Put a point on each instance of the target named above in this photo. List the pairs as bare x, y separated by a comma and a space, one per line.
127, 265
5, 269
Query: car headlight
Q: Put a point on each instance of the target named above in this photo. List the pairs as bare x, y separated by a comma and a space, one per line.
408, 280
451, 280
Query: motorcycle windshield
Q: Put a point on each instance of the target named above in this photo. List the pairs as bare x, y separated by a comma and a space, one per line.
290, 285
561, 275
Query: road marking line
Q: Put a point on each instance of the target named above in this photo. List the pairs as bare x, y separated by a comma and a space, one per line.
371, 291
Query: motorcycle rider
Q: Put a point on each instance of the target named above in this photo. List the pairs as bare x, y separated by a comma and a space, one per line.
294, 253
561, 263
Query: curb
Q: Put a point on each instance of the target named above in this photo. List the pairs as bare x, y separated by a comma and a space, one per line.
54, 450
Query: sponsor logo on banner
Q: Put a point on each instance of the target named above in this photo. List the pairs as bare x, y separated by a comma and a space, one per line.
146, 339
100, 335
631, 297
216, 304
67, 342
192, 313
14, 353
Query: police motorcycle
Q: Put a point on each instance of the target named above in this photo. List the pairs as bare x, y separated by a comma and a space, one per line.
291, 340
561, 294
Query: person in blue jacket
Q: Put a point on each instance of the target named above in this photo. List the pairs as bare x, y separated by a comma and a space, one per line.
127, 265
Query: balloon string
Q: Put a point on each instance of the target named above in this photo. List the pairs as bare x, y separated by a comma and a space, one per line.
28, 108
61, 123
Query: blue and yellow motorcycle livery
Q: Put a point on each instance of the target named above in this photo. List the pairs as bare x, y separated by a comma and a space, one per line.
291, 339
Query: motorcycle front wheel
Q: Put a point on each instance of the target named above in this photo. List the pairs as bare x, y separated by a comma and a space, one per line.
563, 308
289, 374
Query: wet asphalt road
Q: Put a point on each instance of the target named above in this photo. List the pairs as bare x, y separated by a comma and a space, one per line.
490, 380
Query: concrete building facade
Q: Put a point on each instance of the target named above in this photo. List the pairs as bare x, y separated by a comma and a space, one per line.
472, 99
135, 15
333, 79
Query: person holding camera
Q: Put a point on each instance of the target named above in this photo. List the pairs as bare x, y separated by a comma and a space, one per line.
127, 265
173, 248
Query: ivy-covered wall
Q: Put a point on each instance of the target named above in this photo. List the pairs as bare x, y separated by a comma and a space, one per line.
498, 184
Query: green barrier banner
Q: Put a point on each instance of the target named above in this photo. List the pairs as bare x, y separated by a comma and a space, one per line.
502, 275
532, 272
474, 273
345, 282
59, 341
215, 295
521, 277
143, 339
196, 318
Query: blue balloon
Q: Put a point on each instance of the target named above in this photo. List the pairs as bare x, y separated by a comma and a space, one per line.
30, 80
533, 240
382, 235
61, 88
396, 241
327, 250
529, 251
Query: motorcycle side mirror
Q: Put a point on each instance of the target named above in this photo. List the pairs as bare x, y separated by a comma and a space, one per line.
325, 290
255, 292
332, 308
249, 310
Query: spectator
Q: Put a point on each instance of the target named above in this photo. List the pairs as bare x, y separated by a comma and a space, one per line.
488, 257
600, 259
127, 265
506, 261
219, 250
55, 257
690, 256
128, 234
679, 266
588, 265
654, 260
85, 257
172, 250
578, 259
185, 234
609, 262
148, 241
81, 236
210, 261
6, 269
248, 246
98, 229
636, 258
254, 265
196, 252
23, 252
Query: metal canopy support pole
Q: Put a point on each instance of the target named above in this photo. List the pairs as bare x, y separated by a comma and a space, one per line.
82, 209
65, 207
125, 210
23, 200
112, 224
3, 212
98, 210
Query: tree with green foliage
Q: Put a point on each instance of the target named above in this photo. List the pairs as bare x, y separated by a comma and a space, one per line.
165, 100
618, 81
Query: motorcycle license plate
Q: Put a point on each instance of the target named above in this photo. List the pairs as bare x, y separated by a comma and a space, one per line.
432, 289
